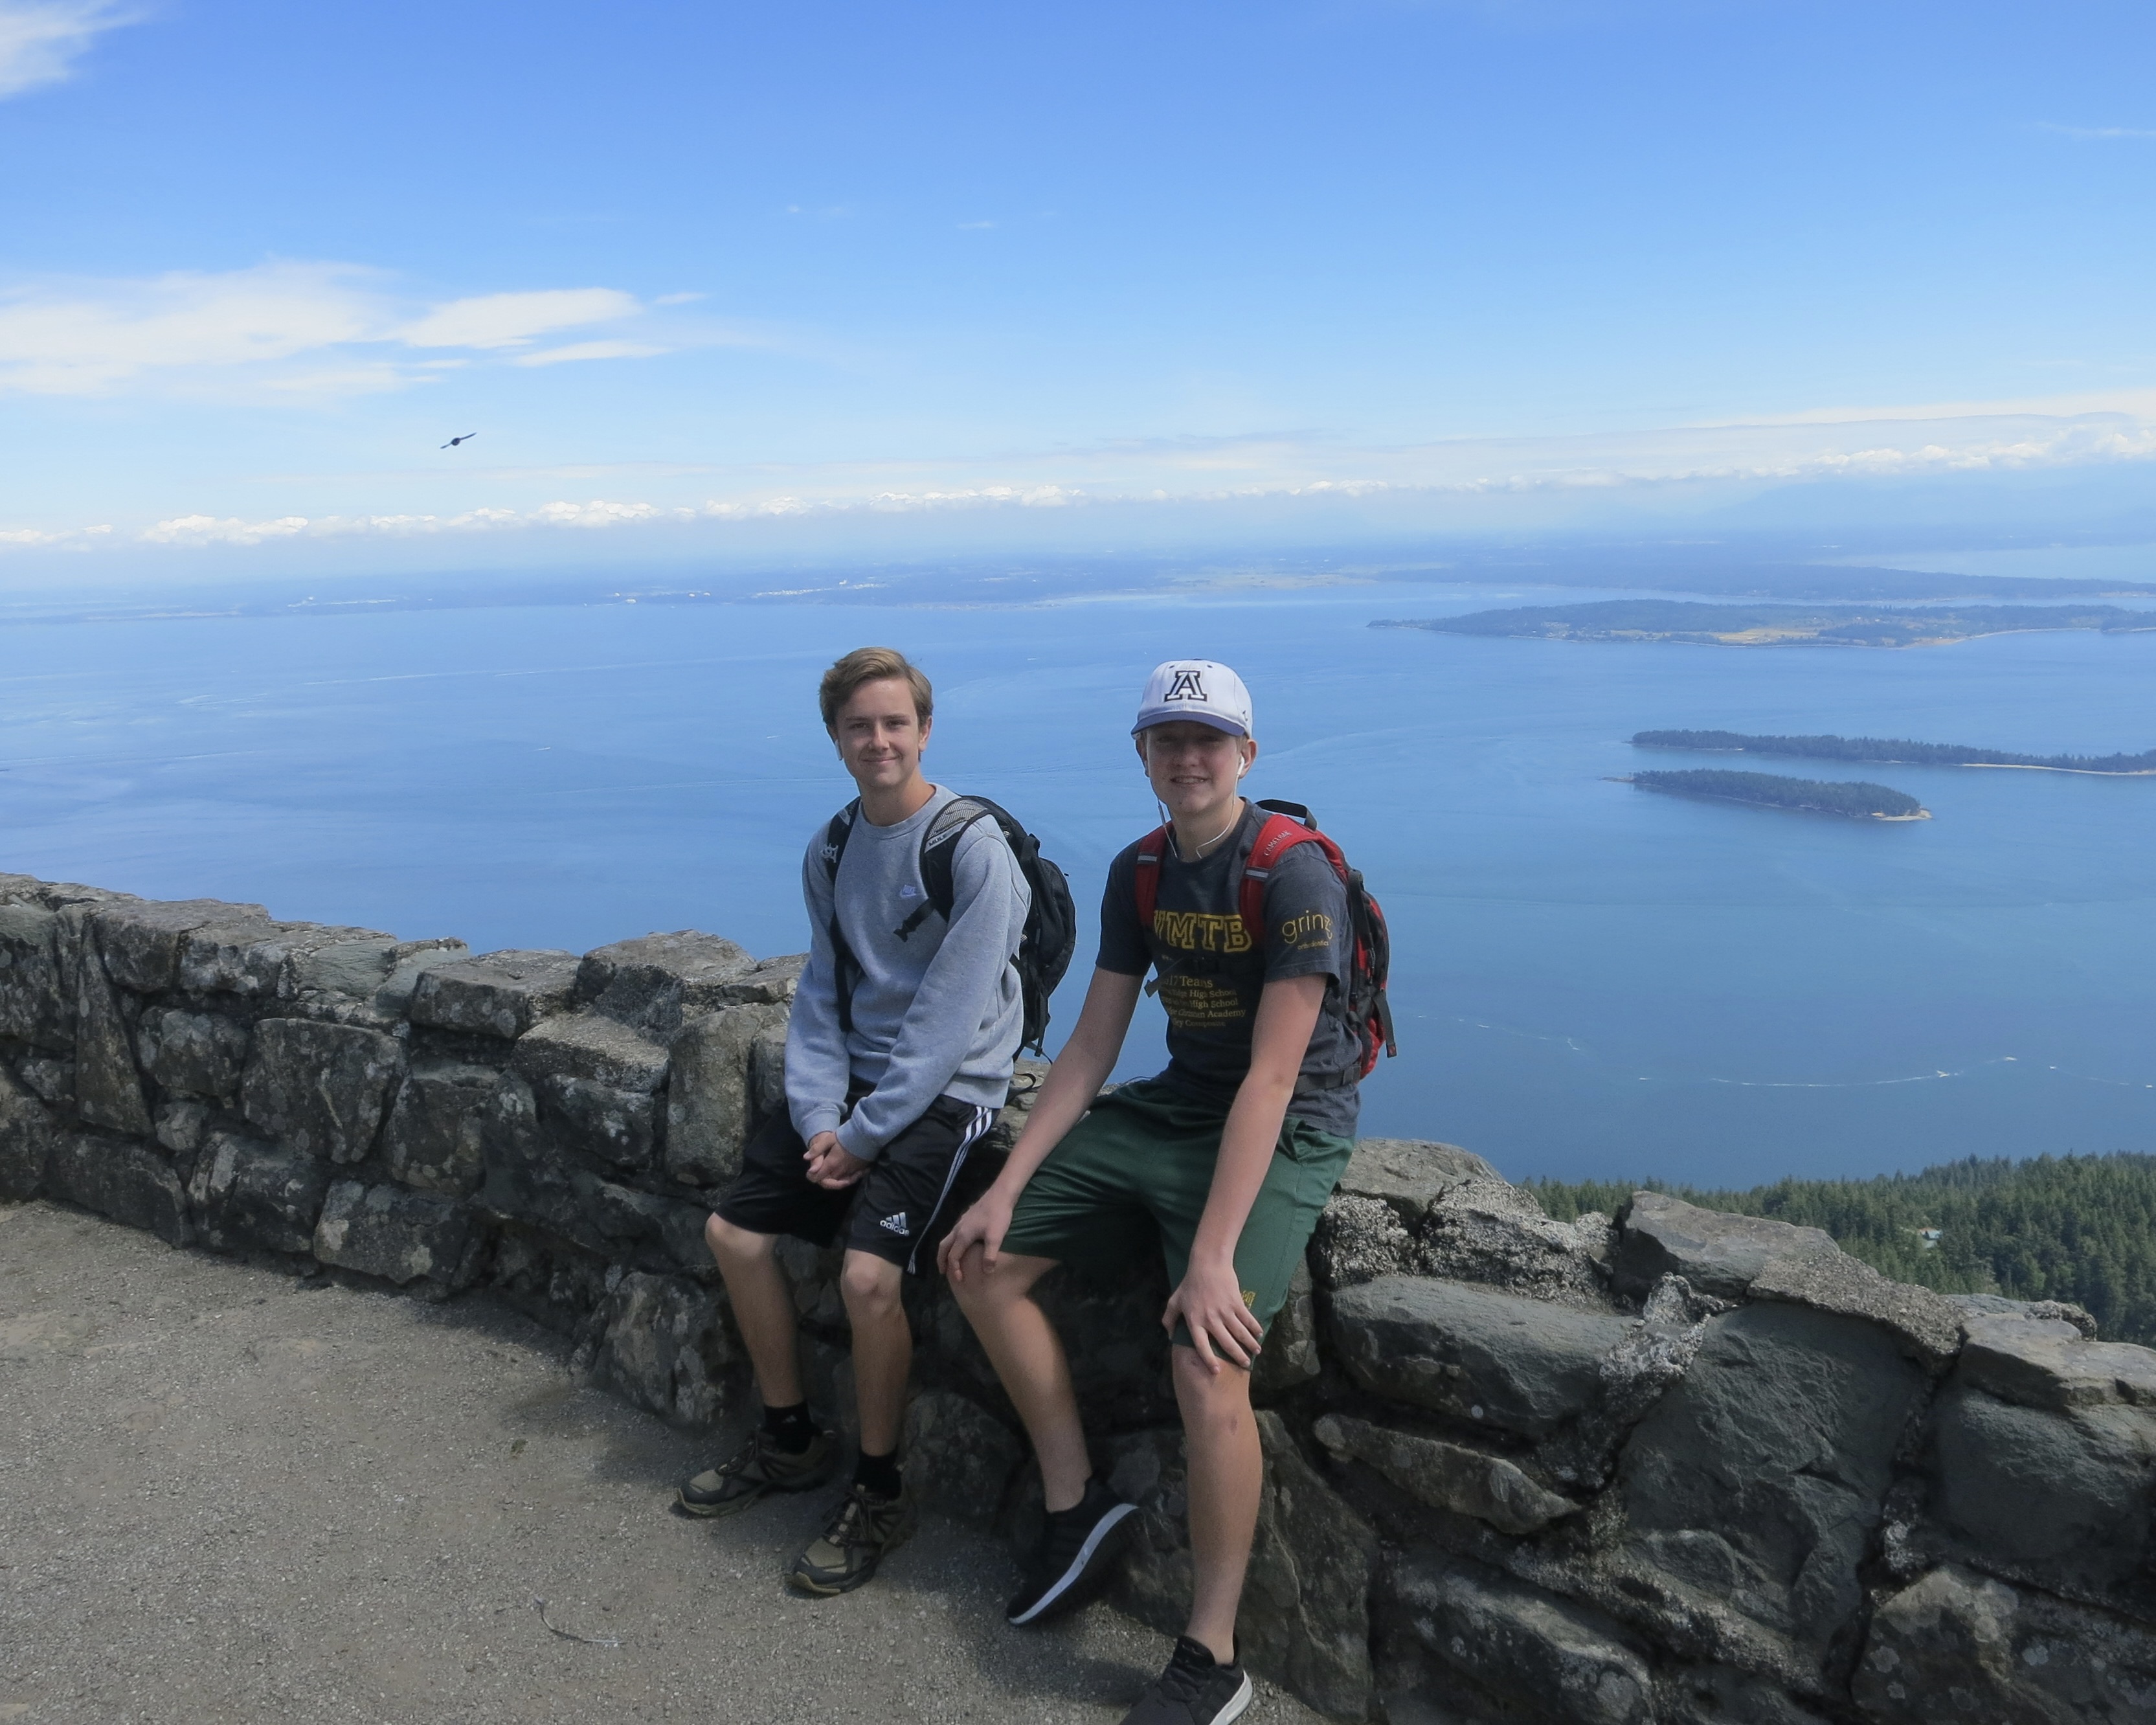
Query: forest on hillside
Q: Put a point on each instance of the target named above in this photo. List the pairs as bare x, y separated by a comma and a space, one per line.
2078, 1227
1853, 797
1895, 751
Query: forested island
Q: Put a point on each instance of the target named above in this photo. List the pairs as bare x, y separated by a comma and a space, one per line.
1699, 624
1772, 790
2078, 1227
1896, 752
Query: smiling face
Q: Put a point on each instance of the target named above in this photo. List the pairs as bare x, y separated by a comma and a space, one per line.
1194, 767
881, 736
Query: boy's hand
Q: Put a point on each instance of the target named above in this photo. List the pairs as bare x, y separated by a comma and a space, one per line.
984, 1225
1209, 1302
830, 1164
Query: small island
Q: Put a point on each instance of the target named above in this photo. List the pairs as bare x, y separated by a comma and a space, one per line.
1770, 790
1702, 624
1896, 752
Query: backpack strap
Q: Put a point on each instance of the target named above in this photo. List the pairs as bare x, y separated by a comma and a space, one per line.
1147, 879
939, 858
1287, 824
846, 968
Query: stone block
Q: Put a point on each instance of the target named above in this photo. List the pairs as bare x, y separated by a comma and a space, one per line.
1717, 1253
2035, 1311
323, 1089
709, 1104
2062, 1496
1359, 1240
247, 955
1757, 1481
2049, 1362
1520, 1365
959, 1458
108, 1087
1955, 1647
141, 938
1527, 1650
1445, 1476
1410, 1175
120, 1179
49, 1078
357, 967
657, 981
668, 1345
249, 1195
193, 1054
435, 1137
620, 1128
1925, 1325
500, 994
770, 982
1490, 1232
1289, 1357
36, 1002
182, 1126
586, 1045
401, 1236
767, 1075
28, 1140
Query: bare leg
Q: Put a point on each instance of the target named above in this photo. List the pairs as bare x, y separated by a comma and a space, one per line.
1227, 1476
883, 1346
1023, 1347
762, 1305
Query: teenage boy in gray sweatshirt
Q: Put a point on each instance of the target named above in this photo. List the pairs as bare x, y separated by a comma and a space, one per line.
898, 1053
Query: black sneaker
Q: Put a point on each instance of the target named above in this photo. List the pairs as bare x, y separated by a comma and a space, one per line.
1196, 1689
846, 1554
1075, 1548
757, 1467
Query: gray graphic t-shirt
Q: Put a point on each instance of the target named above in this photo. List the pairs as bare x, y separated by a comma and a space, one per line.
1211, 973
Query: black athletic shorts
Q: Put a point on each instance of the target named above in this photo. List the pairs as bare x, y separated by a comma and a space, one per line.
899, 1210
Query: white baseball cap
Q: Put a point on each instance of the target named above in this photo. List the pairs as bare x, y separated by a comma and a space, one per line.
1197, 689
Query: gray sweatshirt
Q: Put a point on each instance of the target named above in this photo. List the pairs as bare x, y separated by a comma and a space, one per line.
936, 1014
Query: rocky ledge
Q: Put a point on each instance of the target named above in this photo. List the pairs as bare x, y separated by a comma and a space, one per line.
1670, 1465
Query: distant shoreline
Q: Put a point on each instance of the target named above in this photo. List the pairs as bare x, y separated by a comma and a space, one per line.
1661, 785
1896, 752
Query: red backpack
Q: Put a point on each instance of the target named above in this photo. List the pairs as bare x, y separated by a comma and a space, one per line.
1288, 824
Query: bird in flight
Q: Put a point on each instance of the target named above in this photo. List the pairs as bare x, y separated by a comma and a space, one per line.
465, 438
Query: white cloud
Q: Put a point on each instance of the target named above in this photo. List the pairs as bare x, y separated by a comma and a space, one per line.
40, 40
278, 330
2095, 134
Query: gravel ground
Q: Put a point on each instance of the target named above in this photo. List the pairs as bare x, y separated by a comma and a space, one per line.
227, 1495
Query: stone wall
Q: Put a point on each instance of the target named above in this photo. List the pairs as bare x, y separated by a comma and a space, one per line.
1671, 1466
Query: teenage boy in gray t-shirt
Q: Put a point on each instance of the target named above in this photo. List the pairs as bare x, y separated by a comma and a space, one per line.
899, 1052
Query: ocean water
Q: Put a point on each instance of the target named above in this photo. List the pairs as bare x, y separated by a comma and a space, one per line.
1589, 980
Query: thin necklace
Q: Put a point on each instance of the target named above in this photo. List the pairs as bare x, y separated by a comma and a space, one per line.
1197, 852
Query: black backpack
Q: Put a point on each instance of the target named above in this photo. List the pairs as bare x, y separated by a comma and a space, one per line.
1051, 920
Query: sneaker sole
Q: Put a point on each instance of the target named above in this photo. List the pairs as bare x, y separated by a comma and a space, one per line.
1060, 1590
1237, 1704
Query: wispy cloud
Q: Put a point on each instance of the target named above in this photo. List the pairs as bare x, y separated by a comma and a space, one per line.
40, 40
294, 330
2095, 134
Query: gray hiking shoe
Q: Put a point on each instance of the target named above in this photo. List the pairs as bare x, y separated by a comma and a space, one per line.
846, 1554
757, 1467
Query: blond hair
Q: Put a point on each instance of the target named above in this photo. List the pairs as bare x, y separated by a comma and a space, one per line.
871, 665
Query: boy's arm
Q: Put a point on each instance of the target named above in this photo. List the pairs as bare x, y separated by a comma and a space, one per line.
817, 1068
1081, 1067
955, 996
1209, 1298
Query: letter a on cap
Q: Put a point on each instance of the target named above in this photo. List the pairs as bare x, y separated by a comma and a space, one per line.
1199, 689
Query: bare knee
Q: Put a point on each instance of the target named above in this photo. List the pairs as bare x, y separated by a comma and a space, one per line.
868, 1285
1216, 1402
732, 1244
984, 1294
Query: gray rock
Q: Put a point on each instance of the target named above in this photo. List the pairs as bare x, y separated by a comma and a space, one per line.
2034, 1310
401, 1236
1410, 1174
500, 994
771, 981
1721, 1695
708, 1103
182, 1126
1497, 1359
959, 1458
1524, 1647
1956, 1647
250, 955
1927, 1327
193, 1054
1717, 1253
340, 969
323, 1089
1304, 1619
595, 1080
37, 994
1289, 1357
1359, 1240
120, 1179
656, 982
1488, 1231
409, 961
620, 1128
1449, 1477
668, 1345
28, 1140
435, 1137
1756, 1482
108, 1088
2048, 1363
48, 1079
2062, 1496
767, 1075
247, 1194
141, 938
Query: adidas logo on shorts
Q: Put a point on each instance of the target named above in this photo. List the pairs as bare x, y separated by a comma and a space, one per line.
894, 1225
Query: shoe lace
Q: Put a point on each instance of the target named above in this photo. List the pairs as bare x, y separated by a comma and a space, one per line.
845, 1528
1185, 1678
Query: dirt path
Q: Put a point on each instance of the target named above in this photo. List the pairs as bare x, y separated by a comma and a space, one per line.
225, 1496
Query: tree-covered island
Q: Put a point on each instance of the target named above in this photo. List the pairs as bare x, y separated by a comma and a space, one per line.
1772, 790
1685, 621
1893, 751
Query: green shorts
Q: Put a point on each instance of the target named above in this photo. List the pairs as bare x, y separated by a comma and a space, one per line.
1143, 1160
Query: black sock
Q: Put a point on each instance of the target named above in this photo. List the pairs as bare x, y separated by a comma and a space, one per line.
790, 1429
879, 1473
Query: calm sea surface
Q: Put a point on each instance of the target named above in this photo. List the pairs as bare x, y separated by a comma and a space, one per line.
1589, 979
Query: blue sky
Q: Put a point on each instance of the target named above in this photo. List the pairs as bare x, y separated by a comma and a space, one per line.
716, 280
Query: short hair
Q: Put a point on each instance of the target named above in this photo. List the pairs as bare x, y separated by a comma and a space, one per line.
871, 665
